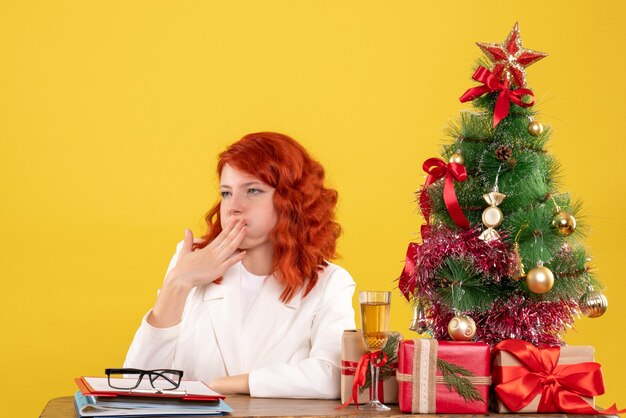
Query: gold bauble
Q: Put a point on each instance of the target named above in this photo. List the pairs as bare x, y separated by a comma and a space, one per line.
461, 328
457, 158
492, 217
564, 223
539, 279
593, 304
535, 128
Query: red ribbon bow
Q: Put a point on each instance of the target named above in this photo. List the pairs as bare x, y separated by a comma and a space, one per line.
437, 168
406, 283
378, 359
560, 385
506, 96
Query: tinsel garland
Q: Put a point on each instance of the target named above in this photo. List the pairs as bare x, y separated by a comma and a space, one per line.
518, 316
538, 322
492, 259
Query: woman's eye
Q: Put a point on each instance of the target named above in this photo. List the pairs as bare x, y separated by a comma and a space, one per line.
225, 194
255, 191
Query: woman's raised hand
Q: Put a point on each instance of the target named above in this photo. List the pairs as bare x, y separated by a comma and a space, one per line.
196, 268
205, 265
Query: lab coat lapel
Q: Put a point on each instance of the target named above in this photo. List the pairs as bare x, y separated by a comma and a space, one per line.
224, 306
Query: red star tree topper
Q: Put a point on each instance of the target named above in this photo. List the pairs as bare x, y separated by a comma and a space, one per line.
510, 58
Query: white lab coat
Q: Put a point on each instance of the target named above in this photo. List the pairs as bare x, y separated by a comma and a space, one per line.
289, 349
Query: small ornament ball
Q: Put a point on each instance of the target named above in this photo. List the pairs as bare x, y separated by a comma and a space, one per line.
539, 279
535, 128
461, 328
593, 304
564, 223
457, 158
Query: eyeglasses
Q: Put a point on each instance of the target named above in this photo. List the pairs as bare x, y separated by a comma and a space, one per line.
160, 379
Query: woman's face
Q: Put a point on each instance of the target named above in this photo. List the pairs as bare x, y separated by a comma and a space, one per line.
248, 198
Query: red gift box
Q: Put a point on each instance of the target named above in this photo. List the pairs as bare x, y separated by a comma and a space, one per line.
546, 380
422, 388
352, 349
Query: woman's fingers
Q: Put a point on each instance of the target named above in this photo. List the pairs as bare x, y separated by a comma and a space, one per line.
188, 242
205, 265
228, 238
232, 241
222, 235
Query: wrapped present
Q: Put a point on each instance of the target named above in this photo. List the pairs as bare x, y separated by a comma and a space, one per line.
352, 351
443, 377
528, 379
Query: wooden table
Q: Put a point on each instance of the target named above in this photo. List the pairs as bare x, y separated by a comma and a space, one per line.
245, 406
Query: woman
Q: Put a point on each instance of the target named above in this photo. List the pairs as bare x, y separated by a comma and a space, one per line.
254, 306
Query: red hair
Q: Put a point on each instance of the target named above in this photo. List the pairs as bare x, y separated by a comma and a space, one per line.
305, 234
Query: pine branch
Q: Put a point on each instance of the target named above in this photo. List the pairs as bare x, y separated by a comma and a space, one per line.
455, 377
461, 287
472, 127
537, 239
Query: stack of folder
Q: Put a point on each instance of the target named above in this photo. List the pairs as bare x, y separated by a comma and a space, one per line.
95, 398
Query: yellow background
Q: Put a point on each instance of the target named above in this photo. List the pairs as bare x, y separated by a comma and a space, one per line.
112, 113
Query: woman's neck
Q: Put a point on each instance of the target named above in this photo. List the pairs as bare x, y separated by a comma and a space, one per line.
258, 260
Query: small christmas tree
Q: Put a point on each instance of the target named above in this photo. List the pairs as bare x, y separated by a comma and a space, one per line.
500, 255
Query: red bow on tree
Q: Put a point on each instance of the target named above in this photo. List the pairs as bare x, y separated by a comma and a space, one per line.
406, 284
505, 97
560, 385
436, 169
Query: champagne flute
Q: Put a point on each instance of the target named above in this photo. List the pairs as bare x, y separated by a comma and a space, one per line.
375, 308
